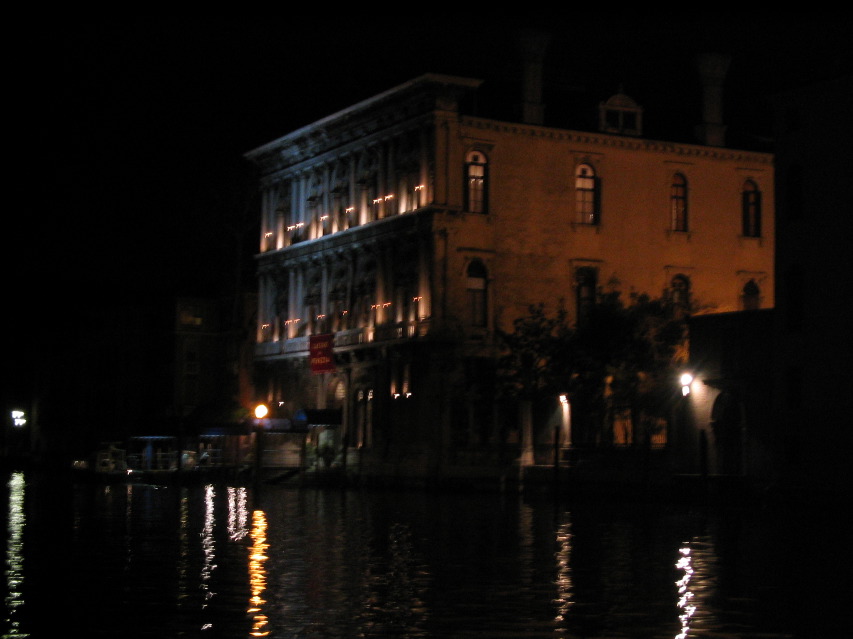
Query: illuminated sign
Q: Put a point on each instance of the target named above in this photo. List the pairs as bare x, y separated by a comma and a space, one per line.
320, 353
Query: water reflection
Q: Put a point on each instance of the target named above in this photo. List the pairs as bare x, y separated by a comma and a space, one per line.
685, 596
223, 561
258, 575
563, 559
238, 513
15, 555
208, 543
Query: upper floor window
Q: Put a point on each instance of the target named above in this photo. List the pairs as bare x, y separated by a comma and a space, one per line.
587, 195
678, 203
476, 288
476, 182
751, 209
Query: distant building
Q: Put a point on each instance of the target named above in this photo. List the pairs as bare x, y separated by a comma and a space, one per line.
406, 231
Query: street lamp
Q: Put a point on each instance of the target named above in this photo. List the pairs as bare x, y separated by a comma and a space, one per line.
686, 381
261, 411
561, 432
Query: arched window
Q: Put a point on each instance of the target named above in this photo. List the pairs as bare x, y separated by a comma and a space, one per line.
751, 296
678, 203
477, 293
476, 182
587, 195
751, 209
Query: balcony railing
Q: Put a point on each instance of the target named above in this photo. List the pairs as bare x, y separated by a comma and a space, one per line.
346, 338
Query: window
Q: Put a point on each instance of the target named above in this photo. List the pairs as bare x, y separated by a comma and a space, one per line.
476, 290
586, 287
751, 296
680, 295
678, 202
751, 207
476, 182
587, 195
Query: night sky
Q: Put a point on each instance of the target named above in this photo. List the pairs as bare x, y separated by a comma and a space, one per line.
134, 132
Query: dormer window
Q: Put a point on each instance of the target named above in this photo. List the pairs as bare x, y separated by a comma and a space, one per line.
620, 114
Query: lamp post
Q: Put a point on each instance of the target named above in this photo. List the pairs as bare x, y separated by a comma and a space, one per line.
559, 428
261, 411
686, 380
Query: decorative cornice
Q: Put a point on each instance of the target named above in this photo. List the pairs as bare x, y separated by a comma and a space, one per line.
620, 142
409, 101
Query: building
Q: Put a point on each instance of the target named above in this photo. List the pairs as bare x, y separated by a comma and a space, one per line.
402, 232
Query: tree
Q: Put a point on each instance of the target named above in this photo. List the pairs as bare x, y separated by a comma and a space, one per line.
537, 355
620, 357
627, 358
535, 365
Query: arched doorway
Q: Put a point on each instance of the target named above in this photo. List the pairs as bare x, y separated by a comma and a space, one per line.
727, 424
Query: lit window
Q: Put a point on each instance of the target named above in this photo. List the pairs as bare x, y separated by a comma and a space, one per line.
476, 288
587, 195
751, 207
678, 201
476, 182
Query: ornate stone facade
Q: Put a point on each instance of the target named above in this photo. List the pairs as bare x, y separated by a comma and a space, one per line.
411, 232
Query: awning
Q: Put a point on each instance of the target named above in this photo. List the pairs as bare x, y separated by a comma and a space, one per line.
319, 417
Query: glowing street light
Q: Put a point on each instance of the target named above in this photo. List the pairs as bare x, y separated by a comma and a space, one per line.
261, 411
686, 381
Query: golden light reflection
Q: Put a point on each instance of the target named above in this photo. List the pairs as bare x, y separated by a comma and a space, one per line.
257, 574
15, 554
685, 595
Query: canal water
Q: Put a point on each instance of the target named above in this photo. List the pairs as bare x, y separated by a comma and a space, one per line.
215, 561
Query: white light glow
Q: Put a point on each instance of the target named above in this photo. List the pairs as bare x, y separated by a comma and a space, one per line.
15, 553
208, 543
685, 595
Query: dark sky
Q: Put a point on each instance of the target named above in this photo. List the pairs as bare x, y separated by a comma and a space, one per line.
143, 126
135, 131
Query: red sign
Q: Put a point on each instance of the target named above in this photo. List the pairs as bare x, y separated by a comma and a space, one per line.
320, 353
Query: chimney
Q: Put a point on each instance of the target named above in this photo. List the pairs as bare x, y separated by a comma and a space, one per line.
532, 45
713, 68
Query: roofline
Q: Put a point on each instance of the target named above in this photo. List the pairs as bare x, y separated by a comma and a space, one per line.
426, 79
